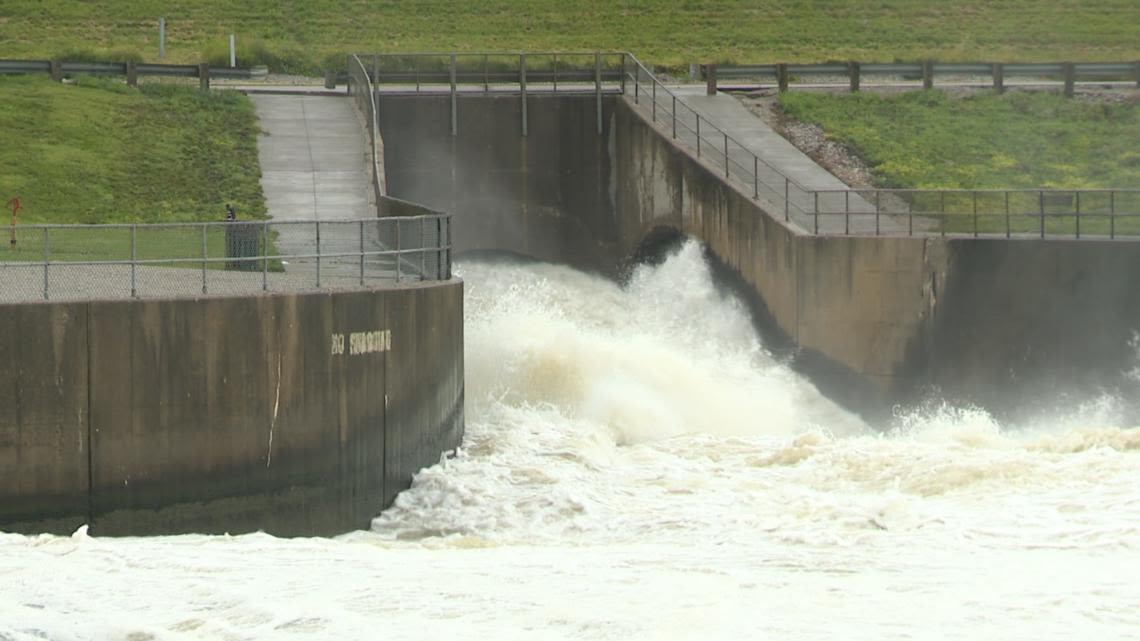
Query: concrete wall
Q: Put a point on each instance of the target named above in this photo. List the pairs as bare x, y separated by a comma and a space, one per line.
874, 321
227, 414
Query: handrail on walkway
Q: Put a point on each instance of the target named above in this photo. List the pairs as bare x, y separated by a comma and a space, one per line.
1109, 213
83, 262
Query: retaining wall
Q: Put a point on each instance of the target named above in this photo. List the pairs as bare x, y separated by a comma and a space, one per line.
226, 414
1015, 326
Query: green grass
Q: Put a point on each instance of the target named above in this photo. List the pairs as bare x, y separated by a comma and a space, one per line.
101, 152
930, 139
983, 140
301, 35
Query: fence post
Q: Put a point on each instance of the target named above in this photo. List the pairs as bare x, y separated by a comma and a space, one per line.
927, 74
597, 87
1136, 72
710, 79
1078, 215
204, 76
698, 135
674, 117
47, 261
522, 89
782, 77
454, 104
132, 74
654, 98
853, 75
203, 258
1069, 70
265, 256
787, 199
755, 177
815, 210
999, 77
162, 38
134, 262
57, 70
726, 155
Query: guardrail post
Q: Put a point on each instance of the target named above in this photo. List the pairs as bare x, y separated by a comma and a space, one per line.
710, 79
318, 231
486, 75
57, 70
782, 77
853, 75
203, 76
999, 77
1069, 71
134, 262
623, 74
555, 80
522, 89
597, 87
454, 98
47, 261
132, 74
1041, 200
375, 69
1136, 72
637, 85
927, 74
654, 97
362, 253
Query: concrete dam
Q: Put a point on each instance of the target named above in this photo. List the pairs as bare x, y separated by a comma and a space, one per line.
880, 310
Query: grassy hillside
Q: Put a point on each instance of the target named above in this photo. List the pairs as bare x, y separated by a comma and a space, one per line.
99, 151
930, 139
300, 34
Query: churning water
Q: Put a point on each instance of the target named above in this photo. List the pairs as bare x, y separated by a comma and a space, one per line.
638, 466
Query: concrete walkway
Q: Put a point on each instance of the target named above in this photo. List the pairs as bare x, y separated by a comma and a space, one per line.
314, 167
778, 159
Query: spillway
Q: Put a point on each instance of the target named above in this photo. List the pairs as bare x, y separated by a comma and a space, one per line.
637, 465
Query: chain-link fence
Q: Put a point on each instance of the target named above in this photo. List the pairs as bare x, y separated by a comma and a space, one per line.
82, 262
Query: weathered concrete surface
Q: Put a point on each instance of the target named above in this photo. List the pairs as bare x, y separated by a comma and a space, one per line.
43, 417
229, 414
546, 194
874, 321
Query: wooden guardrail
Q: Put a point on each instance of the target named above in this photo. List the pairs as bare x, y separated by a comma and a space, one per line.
928, 70
132, 70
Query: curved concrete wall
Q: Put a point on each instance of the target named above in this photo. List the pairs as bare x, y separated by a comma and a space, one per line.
874, 321
297, 414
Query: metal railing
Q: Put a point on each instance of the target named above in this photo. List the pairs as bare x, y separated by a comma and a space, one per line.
131, 70
83, 262
360, 90
1110, 213
1080, 213
926, 72
553, 72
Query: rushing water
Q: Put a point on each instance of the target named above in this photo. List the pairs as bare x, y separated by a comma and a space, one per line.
637, 466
